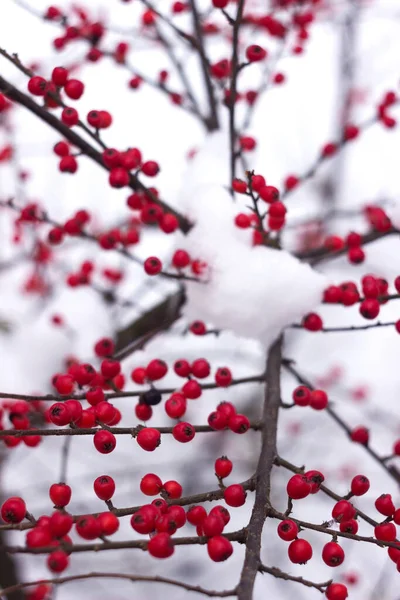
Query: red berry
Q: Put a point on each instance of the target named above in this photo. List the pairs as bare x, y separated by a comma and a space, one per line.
161, 545
239, 186
74, 89
87, 527
235, 495
150, 484
64, 384
223, 467
369, 308
385, 532
360, 435
223, 377
118, 177
60, 494
60, 414
181, 259
109, 523
150, 168
336, 591
198, 328
287, 530
148, 438
183, 432
332, 554
144, 520
300, 551
298, 487
13, 510
219, 548
312, 322
59, 76
213, 525
175, 407
196, 515
200, 368
349, 526
173, 489
152, 265
69, 116
301, 395
255, 53
343, 511
60, 524
318, 400
110, 368
156, 369
37, 86
57, 561
104, 487
384, 505
182, 368
359, 485
192, 389
238, 423
104, 441
315, 479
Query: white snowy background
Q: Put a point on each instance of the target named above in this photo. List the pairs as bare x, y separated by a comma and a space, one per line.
291, 124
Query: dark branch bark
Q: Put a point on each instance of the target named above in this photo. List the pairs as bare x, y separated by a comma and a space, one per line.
266, 460
232, 92
212, 120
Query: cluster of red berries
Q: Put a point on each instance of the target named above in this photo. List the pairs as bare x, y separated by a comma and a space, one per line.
269, 194
304, 396
21, 414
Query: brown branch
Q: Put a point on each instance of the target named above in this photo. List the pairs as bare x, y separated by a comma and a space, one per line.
263, 473
132, 578
212, 119
348, 327
282, 575
281, 462
390, 470
120, 394
100, 546
133, 431
24, 100
233, 88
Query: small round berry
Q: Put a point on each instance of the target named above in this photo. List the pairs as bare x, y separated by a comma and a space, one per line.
192, 390
349, 526
13, 510
223, 467
312, 322
343, 511
109, 523
298, 487
150, 484
318, 400
104, 487
150, 168
359, 485
238, 423
219, 548
60, 494
235, 495
300, 551
336, 591
148, 438
175, 407
104, 441
150, 398
384, 505
181, 259
315, 479
183, 432
223, 377
301, 395
360, 435
287, 530
173, 489
385, 532
152, 265
196, 515
255, 53
200, 368
118, 177
74, 89
332, 554
161, 545
156, 369
57, 561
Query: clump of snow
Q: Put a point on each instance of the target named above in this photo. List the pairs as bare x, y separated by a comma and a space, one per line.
254, 292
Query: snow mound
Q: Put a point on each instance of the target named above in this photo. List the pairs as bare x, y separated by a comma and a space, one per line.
254, 292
